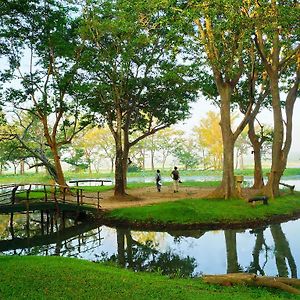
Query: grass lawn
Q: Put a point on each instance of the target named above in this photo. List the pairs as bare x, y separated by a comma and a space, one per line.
190, 211
68, 278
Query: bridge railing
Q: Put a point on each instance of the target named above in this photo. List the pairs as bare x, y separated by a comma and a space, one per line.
13, 193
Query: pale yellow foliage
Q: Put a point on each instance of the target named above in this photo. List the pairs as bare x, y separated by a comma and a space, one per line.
210, 138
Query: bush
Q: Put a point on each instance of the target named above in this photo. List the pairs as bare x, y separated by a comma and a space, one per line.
134, 168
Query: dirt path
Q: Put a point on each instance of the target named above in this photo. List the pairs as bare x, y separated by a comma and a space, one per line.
149, 195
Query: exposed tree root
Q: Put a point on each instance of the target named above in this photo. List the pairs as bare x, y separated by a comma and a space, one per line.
285, 284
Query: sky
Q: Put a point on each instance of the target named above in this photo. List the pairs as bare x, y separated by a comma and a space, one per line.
201, 107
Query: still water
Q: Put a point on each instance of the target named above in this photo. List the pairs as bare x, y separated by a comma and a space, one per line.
272, 250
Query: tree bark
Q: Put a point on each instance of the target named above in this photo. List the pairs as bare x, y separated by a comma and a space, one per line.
285, 284
278, 160
256, 144
228, 188
60, 178
119, 178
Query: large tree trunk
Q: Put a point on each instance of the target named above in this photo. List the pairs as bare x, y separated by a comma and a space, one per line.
119, 176
121, 164
125, 162
228, 185
256, 144
278, 159
60, 178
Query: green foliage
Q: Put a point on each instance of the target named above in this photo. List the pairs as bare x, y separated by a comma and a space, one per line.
134, 168
187, 156
77, 160
46, 85
132, 67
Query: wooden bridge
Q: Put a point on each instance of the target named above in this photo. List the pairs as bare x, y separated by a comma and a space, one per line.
37, 196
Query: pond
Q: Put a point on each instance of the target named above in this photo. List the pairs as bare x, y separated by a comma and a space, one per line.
272, 250
248, 180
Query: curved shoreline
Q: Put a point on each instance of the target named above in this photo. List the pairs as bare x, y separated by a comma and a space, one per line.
160, 226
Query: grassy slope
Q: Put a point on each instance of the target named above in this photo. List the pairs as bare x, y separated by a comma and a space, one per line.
208, 210
64, 278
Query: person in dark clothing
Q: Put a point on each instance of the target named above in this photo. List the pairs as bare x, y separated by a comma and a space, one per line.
176, 179
158, 180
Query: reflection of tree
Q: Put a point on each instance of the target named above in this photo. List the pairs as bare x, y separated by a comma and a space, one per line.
258, 247
144, 257
232, 259
283, 252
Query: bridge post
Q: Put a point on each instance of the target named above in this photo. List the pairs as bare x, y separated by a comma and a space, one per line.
81, 196
13, 194
98, 198
45, 193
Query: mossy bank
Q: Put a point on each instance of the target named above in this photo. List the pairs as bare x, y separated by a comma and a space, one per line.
206, 214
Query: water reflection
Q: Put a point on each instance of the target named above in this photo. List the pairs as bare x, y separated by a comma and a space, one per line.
140, 254
273, 250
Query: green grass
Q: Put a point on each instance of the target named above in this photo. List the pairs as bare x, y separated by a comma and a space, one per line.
66, 278
190, 211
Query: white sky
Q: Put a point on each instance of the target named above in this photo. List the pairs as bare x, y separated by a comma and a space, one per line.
201, 107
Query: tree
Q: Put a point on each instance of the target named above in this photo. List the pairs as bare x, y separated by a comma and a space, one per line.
210, 139
3, 128
99, 142
167, 143
48, 89
138, 154
152, 146
223, 33
260, 139
277, 41
254, 88
186, 152
77, 159
241, 148
135, 79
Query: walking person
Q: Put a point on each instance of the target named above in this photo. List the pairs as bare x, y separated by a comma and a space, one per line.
176, 179
158, 180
